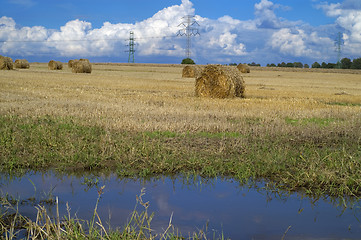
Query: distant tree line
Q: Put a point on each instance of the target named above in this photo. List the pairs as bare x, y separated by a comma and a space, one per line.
345, 63
253, 64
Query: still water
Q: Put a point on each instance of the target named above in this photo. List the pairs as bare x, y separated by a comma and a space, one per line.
240, 212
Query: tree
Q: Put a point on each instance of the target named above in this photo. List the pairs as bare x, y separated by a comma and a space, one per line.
290, 65
306, 65
331, 65
298, 65
356, 63
188, 61
254, 64
346, 63
283, 64
324, 65
316, 65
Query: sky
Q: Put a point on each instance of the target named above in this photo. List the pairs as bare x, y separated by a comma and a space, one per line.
230, 31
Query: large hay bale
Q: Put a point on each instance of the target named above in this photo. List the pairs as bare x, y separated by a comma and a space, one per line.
70, 63
55, 65
81, 66
218, 81
6, 63
244, 68
192, 71
22, 63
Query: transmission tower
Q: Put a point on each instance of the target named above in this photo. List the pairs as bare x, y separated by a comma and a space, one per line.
339, 43
188, 30
131, 47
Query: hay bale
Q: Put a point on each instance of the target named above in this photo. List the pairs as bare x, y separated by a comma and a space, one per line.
55, 65
244, 68
192, 71
82, 66
22, 63
218, 81
70, 63
6, 63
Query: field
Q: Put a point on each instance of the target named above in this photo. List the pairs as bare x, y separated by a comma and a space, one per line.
298, 130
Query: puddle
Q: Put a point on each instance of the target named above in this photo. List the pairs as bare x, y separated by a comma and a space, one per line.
239, 212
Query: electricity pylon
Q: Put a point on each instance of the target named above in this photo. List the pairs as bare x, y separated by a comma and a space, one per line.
188, 30
131, 47
339, 43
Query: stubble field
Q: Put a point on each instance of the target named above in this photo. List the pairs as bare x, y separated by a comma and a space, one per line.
299, 130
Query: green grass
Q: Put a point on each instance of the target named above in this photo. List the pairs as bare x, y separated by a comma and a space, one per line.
344, 104
309, 121
312, 156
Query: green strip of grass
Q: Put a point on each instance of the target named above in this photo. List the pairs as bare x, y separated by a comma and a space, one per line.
313, 120
294, 161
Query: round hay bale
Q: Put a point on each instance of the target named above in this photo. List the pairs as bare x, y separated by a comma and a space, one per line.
55, 65
82, 66
22, 63
6, 63
70, 63
244, 68
192, 71
218, 81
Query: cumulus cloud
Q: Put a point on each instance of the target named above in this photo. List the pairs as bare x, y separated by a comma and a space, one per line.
154, 36
299, 43
226, 39
348, 18
13, 38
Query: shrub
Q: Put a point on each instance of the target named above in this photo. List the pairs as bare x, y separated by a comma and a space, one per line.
188, 61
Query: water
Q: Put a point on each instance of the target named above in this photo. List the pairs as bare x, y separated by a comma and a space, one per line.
238, 211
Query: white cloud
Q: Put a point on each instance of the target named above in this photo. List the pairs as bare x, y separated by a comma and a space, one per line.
14, 38
290, 43
154, 36
348, 17
226, 39
298, 43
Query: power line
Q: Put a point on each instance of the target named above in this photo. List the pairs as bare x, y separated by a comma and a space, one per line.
188, 30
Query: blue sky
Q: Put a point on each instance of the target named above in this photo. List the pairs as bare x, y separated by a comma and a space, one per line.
261, 31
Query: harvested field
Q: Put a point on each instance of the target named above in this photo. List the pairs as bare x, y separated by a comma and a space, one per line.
128, 96
298, 130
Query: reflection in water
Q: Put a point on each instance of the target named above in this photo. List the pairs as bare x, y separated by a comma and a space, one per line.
240, 212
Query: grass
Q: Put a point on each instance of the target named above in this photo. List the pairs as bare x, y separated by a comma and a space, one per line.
142, 121
326, 163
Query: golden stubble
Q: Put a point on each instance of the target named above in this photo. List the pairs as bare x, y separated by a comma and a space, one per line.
150, 97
